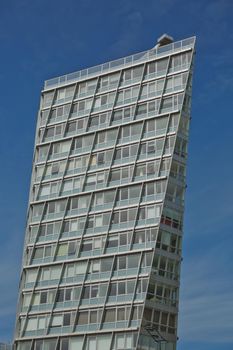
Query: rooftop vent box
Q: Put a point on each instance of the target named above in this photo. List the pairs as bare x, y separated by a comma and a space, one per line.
164, 40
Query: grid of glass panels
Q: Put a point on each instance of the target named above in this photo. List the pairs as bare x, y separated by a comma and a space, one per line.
103, 240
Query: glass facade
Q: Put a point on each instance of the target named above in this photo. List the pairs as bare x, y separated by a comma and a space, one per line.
102, 251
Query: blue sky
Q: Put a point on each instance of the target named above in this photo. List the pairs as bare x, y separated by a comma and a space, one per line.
41, 39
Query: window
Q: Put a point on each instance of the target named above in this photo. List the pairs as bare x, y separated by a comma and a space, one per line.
44, 116
132, 73
104, 100
153, 188
72, 247
57, 321
110, 315
158, 67
75, 269
48, 98
67, 319
124, 216
82, 142
37, 210
53, 131
121, 174
31, 324
104, 342
78, 163
124, 113
59, 112
180, 61
106, 136
121, 288
101, 198
43, 252
142, 109
65, 94
99, 120
31, 275
108, 81
130, 261
172, 102
152, 89
157, 125
71, 127
62, 147
74, 225
101, 158
64, 344
56, 206
127, 95
87, 87
76, 343
126, 152
94, 291
103, 265
49, 189
149, 107
152, 147
42, 153
167, 103
41, 322
149, 212
83, 318
97, 221
133, 261
75, 126
43, 297
149, 168
118, 314
130, 131
73, 184
95, 266
81, 107
55, 169
129, 192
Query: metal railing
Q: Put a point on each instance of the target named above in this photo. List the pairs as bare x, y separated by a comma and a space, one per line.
121, 63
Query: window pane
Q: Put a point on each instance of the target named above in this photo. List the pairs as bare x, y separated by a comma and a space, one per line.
76, 343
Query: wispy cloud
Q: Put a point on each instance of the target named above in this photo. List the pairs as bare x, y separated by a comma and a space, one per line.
134, 19
10, 261
209, 207
206, 296
9, 289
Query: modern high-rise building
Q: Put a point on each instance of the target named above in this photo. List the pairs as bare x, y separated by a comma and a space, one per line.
102, 249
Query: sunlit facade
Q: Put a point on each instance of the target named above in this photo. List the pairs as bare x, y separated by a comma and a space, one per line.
102, 250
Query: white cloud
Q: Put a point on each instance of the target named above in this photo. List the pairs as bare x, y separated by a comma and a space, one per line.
206, 296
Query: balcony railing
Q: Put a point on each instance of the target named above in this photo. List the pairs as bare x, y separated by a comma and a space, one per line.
121, 63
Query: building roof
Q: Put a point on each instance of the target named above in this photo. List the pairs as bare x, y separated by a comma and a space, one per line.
156, 52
